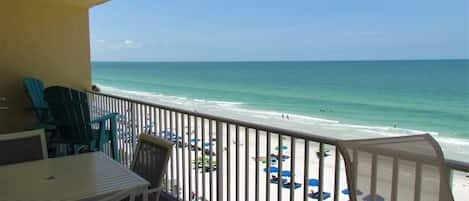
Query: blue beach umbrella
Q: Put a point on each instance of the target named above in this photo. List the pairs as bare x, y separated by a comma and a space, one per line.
195, 140
347, 191
283, 147
207, 144
176, 138
378, 198
286, 173
313, 182
272, 169
148, 126
167, 132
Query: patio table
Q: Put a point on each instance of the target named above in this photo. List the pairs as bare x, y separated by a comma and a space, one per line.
88, 176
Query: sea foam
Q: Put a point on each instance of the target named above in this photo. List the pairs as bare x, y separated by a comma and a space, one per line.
453, 147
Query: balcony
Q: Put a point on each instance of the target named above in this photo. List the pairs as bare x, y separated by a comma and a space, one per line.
257, 162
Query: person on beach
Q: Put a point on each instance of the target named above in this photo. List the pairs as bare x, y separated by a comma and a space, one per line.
193, 196
288, 117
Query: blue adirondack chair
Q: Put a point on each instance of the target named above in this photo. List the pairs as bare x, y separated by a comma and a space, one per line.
71, 112
35, 91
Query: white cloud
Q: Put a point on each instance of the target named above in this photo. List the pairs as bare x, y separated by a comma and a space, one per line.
117, 44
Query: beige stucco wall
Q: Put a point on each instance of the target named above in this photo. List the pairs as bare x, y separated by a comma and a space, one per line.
48, 40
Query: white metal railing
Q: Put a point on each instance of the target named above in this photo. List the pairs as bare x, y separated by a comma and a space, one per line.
217, 158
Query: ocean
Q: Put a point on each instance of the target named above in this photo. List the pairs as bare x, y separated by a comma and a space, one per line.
343, 99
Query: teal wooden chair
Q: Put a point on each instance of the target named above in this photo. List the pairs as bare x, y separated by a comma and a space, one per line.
35, 91
71, 112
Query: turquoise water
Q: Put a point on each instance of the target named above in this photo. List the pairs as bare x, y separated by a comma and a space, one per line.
430, 96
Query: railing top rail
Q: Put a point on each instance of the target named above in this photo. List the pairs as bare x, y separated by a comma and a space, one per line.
453, 164
458, 165
272, 129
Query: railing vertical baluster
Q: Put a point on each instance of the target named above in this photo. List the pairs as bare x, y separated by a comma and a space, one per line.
202, 121
321, 171
119, 129
237, 163
306, 173
171, 128
395, 178
127, 151
337, 174
374, 173
160, 124
257, 167
134, 128
210, 132
246, 163
176, 138
164, 133
147, 123
292, 168
140, 119
153, 121
418, 181
183, 141
228, 162
219, 161
128, 128
279, 161
269, 160
189, 148
196, 119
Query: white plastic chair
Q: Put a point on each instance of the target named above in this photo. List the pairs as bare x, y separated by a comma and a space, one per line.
406, 168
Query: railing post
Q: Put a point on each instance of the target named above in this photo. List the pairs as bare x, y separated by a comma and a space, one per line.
337, 174
219, 160
133, 125
321, 172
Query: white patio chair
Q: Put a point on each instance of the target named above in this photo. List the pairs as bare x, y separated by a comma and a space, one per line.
407, 168
151, 161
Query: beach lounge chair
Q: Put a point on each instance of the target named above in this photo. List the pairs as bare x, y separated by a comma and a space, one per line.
325, 195
383, 161
287, 185
275, 180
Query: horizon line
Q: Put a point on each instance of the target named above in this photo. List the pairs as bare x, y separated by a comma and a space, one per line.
326, 60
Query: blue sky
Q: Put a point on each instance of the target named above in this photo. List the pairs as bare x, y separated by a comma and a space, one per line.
247, 30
